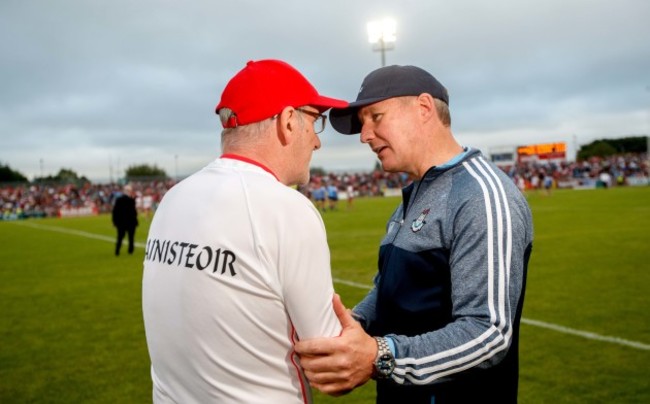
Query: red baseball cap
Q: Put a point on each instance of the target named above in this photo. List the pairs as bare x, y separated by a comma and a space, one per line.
265, 87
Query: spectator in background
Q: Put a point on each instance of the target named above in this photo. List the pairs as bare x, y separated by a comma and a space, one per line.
548, 183
319, 195
605, 179
147, 203
535, 181
521, 183
349, 189
125, 218
332, 195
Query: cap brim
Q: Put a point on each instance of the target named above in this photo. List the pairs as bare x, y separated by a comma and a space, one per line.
324, 103
346, 121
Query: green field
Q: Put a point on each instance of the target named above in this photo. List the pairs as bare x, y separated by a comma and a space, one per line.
71, 327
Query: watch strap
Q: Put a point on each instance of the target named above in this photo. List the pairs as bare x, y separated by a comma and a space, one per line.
385, 361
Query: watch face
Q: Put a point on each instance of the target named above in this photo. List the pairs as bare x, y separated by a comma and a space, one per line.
385, 364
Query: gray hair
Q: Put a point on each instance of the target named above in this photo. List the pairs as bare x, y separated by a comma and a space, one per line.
244, 135
241, 136
443, 112
442, 109
225, 114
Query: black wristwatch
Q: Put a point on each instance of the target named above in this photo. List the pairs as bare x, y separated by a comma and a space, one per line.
385, 361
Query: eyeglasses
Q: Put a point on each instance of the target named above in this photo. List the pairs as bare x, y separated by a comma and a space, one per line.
319, 123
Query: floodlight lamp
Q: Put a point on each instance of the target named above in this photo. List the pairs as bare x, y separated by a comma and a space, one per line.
382, 31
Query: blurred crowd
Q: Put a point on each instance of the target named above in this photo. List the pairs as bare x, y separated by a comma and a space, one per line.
618, 170
50, 200
19, 201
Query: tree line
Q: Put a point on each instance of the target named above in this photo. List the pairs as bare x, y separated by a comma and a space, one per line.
609, 147
68, 176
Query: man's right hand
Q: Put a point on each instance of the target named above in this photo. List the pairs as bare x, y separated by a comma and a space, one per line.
337, 365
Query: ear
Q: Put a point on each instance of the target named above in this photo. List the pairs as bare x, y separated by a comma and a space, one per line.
287, 125
427, 107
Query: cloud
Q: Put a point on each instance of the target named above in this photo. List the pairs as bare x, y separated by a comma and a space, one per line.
95, 86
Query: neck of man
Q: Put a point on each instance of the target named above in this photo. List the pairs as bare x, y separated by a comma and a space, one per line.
440, 148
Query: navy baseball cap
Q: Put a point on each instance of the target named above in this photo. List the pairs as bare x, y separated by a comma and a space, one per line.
384, 83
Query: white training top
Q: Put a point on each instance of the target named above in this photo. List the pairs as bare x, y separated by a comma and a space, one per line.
237, 267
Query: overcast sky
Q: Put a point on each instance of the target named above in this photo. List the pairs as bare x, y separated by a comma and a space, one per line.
99, 85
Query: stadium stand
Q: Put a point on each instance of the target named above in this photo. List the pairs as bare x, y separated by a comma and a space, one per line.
22, 201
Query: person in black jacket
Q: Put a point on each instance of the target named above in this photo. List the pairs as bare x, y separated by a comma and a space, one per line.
125, 218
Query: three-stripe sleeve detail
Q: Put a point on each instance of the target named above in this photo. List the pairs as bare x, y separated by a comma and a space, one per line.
496, 337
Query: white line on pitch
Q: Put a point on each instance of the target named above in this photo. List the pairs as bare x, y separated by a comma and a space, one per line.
542, 324
587, 334
72, 231
536, 323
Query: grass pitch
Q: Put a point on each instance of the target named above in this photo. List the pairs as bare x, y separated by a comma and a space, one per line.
71, 326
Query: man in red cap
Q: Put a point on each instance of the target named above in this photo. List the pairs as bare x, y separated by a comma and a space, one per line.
237, 266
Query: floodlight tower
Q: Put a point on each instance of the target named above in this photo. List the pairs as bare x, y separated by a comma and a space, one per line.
381, 34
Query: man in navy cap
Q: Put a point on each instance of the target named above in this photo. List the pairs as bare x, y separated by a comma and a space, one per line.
441, 324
